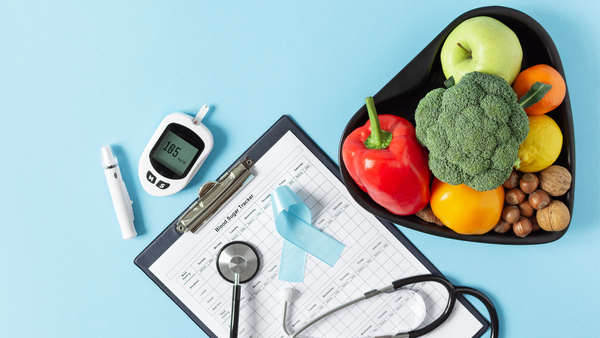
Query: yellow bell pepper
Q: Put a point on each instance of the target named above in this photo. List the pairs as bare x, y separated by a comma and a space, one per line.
466, 210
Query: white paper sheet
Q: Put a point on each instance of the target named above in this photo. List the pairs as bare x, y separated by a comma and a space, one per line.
372, 259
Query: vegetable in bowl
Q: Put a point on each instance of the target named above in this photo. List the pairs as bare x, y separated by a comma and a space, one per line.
401, 96
472, 131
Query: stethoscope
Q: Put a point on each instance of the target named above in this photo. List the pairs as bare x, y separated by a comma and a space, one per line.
238, 262
400, 284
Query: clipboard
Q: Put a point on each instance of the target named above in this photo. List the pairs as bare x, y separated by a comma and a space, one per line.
281, 127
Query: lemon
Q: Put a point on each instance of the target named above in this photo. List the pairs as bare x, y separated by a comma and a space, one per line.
542, 145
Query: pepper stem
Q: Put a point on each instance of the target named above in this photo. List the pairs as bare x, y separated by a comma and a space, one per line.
379, 139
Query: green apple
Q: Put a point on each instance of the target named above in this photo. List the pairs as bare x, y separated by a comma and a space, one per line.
482, 44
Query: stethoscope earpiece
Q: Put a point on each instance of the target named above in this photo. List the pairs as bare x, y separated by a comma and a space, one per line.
286, 295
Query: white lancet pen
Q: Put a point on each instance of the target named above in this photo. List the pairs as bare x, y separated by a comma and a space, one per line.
118, 192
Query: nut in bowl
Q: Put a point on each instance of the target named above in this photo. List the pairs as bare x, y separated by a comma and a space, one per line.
424, 73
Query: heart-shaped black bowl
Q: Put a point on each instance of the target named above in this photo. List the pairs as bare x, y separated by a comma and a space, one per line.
402, 94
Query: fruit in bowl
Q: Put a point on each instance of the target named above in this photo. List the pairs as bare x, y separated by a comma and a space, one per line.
403, 93
482, 44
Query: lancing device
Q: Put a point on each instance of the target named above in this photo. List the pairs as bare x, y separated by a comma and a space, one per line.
118, 192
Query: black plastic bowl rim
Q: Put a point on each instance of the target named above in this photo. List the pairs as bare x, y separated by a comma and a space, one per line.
401, 95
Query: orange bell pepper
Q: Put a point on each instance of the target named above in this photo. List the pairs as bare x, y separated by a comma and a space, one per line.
466, 210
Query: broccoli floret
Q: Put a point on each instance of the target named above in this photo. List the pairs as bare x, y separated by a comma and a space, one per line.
472, 131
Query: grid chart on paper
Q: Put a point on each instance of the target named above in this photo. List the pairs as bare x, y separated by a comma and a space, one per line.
369, 261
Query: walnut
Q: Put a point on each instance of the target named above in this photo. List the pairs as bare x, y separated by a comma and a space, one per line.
555, 180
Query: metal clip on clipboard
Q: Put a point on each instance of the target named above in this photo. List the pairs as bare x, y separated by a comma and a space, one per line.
212, 195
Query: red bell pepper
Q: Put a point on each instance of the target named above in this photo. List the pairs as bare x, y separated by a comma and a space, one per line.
385, 160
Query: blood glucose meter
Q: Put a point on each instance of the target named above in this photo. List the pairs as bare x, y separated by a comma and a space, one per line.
174, 154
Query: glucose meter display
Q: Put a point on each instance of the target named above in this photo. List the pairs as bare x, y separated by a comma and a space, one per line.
175, 153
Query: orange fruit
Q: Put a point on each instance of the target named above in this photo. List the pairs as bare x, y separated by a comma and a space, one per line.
545, 74
464, 209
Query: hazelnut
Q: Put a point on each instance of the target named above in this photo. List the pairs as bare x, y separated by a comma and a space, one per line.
534, 223
427, 215
512, 181
510, 214
502, 226
515, 196
528, 183
555, 180
539, 199
523, 227
555, 217
525, 209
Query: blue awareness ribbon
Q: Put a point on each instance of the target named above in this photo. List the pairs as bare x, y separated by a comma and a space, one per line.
293, 222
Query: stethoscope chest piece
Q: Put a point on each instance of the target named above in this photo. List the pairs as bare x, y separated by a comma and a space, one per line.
237, 263
237, 258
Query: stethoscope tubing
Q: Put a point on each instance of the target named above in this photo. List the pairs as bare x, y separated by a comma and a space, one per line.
453, 293
398, 284
494, 324
235, 308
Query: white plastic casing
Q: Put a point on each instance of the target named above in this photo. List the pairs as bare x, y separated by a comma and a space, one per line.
118, 192
121, 202
286, 295
174, 185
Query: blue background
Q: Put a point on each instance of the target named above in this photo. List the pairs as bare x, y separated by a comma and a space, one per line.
75, 76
